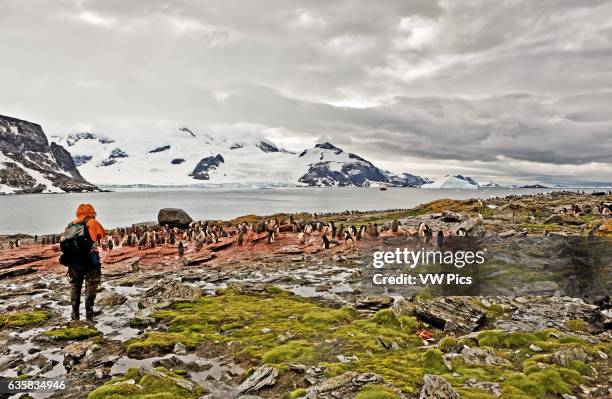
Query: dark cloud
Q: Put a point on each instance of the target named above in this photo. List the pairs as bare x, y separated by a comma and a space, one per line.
505, 89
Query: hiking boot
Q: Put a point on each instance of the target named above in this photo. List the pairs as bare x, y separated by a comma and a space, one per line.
90, 314
75, 313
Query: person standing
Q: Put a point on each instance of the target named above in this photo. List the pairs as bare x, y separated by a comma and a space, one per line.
80, 254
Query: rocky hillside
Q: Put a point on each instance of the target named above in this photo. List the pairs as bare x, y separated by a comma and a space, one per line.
29, 164
188, 157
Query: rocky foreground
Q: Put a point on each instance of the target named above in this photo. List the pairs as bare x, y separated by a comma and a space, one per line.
289, 319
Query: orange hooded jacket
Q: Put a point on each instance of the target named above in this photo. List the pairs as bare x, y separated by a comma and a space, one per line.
95, 229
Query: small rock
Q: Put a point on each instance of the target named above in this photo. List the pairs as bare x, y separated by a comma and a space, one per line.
342, 386
535, 348
314, 374
452, 217
75, 351
483, 357
164, 293
565, 356
602, 355
180, 349
284, 337
110, 299
265, 330
185, 384
375, 302
263, 376
436, 387
492, 387
347, 359
460, 314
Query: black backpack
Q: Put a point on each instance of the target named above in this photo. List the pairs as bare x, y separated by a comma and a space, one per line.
76, 245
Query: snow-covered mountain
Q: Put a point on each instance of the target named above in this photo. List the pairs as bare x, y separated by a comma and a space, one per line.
490, 184
29, 164
452, 182
188, 157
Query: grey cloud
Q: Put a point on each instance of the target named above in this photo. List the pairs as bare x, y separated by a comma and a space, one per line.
455, 82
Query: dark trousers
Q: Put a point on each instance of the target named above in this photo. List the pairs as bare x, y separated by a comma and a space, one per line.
91, 274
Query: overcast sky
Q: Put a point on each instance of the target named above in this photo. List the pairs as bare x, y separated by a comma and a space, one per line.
511, 91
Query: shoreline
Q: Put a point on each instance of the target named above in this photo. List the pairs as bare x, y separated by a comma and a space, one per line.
145, 187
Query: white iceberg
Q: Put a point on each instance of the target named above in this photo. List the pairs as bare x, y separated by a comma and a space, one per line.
451, 182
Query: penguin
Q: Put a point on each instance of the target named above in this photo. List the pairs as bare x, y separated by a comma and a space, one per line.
348, 240
308, 229
375, 233
181, 248
324, 242
240, 239
302, 237
394, 226
422, 229
143, 241
461, 232
440, 238
110, 245
271, 236
360, 234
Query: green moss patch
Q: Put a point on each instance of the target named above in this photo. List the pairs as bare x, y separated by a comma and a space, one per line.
72, 333
23, 318
280, 329
135, 386
298, 393
376, 392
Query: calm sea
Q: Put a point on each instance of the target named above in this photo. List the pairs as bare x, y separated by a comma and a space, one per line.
49, 213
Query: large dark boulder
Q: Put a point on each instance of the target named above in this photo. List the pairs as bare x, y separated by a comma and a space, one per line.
173, 217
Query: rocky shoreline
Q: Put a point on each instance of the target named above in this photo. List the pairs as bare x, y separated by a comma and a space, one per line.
289, 319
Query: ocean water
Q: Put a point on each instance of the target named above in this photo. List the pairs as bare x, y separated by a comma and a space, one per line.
49, 213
